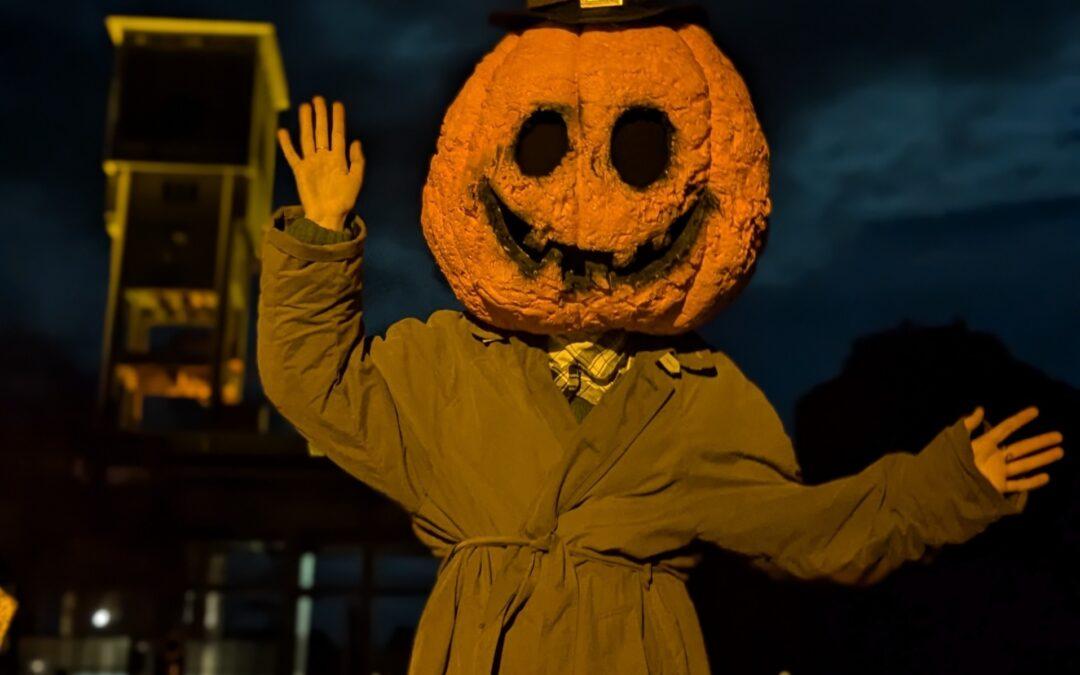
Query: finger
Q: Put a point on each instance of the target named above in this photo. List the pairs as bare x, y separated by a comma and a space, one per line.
337, 140
356, 159
1025, 484
972, 422
1027, 464
322, 139
1030, 445
287, 148
1012, 424
307, 138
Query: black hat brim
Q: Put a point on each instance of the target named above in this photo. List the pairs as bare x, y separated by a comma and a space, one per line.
571, 14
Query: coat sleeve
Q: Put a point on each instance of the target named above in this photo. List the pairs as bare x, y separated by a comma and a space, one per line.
751, 501
318, 367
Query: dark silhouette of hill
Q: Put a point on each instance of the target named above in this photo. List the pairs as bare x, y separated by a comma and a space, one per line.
1006, 602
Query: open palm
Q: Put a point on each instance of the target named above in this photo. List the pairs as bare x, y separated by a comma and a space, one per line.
1006, 466
328, 183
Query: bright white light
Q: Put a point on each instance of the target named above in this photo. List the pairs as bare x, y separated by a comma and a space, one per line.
101, 618
37, 666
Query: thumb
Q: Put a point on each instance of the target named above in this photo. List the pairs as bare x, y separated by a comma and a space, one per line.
356, 160
972, 422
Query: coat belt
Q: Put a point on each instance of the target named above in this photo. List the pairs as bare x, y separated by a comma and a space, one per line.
514, 583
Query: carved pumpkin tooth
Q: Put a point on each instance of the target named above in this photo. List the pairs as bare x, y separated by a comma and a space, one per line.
515, 131
598, 274
535, 241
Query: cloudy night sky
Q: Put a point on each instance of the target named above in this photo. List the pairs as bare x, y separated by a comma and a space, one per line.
926, 164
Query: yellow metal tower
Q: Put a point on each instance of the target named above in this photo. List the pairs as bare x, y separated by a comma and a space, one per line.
189, 168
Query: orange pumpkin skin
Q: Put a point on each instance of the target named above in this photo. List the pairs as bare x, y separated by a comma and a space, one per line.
716, 180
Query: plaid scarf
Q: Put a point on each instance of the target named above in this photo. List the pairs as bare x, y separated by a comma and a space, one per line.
587, 368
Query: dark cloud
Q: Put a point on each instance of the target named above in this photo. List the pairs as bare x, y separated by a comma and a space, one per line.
1008, 271
793, 49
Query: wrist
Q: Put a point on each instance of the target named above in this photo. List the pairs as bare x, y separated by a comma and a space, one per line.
333, 222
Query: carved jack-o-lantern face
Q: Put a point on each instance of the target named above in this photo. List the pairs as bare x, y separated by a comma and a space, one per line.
598, 179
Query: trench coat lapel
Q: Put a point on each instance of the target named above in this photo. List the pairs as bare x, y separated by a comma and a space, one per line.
589, 448
600, 440
547, 398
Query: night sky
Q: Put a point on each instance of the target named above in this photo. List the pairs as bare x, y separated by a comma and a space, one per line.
926, 164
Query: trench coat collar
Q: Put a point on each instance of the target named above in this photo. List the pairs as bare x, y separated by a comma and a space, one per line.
698, 361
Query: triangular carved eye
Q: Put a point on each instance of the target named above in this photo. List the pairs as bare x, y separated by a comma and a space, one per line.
542, 143
641, 146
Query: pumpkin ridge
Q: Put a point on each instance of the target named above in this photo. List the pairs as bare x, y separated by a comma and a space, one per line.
481, 78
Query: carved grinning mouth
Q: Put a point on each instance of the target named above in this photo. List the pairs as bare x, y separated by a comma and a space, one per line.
582, 268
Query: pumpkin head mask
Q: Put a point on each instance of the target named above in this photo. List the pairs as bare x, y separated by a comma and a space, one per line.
597, 177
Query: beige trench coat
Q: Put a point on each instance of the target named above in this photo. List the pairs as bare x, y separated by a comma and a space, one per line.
564, 546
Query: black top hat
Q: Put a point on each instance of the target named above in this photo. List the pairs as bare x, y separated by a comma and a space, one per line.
580, 12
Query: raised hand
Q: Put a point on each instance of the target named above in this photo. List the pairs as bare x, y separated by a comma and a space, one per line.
327, 183
1005, 466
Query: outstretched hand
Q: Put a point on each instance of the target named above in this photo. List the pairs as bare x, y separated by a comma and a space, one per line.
327, 183
1005, 466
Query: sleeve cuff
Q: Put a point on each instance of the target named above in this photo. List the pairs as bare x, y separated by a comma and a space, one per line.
310, 232
294, 235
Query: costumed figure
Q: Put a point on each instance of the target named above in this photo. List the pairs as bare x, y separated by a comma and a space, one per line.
599, 190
